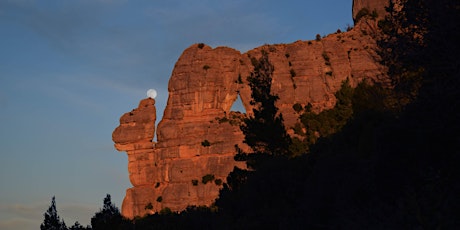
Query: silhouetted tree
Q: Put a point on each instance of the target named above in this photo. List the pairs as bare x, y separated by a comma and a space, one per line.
52, 220
264, 132
267, 193
401, 48
109, 217
78, 226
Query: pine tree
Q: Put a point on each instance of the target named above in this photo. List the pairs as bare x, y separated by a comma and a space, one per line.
264, 132
52, 220
109, 217
402, 46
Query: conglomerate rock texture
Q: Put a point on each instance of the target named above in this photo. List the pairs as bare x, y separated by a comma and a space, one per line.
198, 132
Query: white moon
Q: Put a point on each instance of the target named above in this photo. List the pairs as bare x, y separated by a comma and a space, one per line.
151, 93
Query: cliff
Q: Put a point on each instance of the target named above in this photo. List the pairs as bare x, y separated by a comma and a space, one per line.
197, 133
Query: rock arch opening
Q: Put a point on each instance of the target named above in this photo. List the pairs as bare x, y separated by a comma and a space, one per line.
237, 105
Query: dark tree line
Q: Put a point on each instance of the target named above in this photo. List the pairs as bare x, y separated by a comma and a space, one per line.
109, 217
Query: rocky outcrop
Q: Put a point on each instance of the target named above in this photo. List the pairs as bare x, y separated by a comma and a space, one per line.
371, 5
312, 71
195, 139
134, 135
198, 131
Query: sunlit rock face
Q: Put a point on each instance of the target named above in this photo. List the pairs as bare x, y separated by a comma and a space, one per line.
134, 135
198, 131
372, 5
196, 136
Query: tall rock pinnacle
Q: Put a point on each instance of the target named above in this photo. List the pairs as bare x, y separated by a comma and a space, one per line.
135, 135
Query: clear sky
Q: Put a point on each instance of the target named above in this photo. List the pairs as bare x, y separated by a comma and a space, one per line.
70, 69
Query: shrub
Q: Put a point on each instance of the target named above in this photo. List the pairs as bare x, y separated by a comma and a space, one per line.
361, 13
205, 143
165, 211
297, 107
308, 107
374, 14
195, 182
385, 26
206, 67
149, 206
287, 55
292, 71
234, 122
349, 27
318, 37
207, 178
329, 73
218, 182
293, 74
221, 120
159, 199
201, 45
298, 129
326, 58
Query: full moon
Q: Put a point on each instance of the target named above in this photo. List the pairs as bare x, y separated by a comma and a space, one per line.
151, 93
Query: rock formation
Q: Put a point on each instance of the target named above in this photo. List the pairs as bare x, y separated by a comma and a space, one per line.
134, 135
371, 5
197, 133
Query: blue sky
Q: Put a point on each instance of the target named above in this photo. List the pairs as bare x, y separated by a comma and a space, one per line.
70, 69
